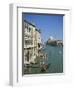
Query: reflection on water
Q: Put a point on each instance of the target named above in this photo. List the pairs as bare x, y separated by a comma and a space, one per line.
54, 60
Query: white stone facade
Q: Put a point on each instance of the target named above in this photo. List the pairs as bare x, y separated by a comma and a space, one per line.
32, 42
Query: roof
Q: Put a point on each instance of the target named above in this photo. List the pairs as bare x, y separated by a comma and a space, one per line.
33, 26
29, 23
38, 30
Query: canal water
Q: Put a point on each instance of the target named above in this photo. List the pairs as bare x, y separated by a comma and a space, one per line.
54, 59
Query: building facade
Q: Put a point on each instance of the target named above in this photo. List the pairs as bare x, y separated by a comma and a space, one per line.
32, 42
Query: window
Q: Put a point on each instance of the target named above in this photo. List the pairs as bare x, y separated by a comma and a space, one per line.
26, 25
29, 29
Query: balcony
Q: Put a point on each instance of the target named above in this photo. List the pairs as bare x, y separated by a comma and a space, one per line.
27, 33
27, 38
28, 46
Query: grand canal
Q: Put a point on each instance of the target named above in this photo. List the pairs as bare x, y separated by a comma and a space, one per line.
54, 59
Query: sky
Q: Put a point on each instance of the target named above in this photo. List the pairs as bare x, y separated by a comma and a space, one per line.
50, 25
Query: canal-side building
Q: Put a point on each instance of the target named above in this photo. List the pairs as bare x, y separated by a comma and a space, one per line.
38, 41
54, 42
32, 42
